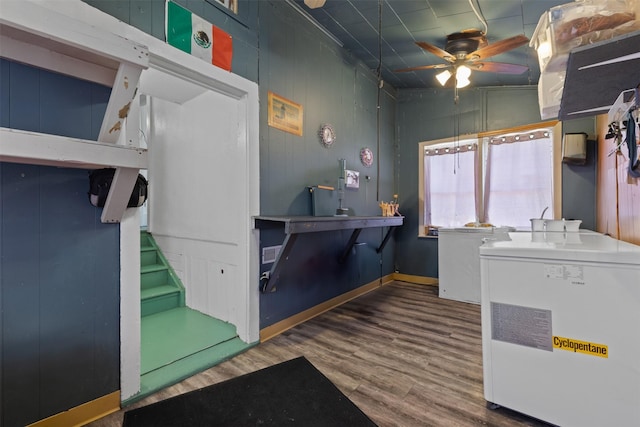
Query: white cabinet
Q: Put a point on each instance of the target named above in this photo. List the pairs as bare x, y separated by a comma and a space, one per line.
459, 260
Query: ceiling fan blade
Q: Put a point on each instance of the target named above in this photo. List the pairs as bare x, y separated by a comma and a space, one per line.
437, 51
423, 67
498, 47
498, 67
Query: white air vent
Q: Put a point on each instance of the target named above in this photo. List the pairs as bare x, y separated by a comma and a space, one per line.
270, 253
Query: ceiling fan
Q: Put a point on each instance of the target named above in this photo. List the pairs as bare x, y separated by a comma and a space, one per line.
466, 51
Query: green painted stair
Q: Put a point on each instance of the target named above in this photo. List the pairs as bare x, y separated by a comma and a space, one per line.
181, 342
176, 341
160, 288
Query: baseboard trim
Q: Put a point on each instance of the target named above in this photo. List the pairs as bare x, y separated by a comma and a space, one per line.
83, 414
288, 323
420, 280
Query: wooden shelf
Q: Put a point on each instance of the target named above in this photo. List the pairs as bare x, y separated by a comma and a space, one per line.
295, 225
56, 42
35, 148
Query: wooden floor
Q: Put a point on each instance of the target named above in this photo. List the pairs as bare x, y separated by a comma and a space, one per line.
403, 355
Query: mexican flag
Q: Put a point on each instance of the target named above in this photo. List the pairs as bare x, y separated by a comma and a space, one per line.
194, 35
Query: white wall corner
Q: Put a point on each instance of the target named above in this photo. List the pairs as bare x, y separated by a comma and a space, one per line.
130, 319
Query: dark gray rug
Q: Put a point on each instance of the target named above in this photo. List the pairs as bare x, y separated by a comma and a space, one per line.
289, 393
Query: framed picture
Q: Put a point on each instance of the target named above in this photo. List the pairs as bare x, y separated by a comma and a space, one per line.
284, 114
353, 179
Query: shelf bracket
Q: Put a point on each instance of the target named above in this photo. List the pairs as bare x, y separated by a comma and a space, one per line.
385, 240
113, 125
122, 185
274, 274
122, 95
350, 243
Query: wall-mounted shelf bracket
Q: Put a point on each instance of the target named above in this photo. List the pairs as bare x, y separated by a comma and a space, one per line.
295, 225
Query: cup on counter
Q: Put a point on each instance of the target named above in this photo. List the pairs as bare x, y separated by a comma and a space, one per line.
554, 224
572, 225
537, 224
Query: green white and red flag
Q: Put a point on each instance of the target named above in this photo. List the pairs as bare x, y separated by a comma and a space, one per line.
192, 34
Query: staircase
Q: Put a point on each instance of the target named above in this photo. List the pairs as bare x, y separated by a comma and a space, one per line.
176, 341
160, 288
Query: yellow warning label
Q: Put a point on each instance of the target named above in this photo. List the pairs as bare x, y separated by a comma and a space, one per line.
590, 348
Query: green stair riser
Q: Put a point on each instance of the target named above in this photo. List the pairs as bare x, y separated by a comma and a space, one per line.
158, 291
153, 279
145, 240
161, 303
149, 257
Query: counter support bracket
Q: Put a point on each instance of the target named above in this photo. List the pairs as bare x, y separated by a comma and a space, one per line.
350, 243
385, 240
295, 225
274, 274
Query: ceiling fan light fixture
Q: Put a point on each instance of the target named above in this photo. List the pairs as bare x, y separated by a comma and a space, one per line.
314, 4
443, 77
462, 76
460, 83
463, 72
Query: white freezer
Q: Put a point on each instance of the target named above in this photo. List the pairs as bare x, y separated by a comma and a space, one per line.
561, 327
459, 260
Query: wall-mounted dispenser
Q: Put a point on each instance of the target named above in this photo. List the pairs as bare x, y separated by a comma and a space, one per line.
574, 148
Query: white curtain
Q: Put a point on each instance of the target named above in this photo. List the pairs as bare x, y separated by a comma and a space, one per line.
450, 186
519, 181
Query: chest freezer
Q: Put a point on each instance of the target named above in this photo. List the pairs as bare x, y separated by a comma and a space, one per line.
459, 260
561, 327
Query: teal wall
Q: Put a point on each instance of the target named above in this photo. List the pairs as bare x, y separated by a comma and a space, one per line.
59, 265
299, 63
579, 181
431, 114
334, 88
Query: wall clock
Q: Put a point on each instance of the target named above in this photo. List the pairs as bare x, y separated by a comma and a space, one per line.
366, 156
327, 135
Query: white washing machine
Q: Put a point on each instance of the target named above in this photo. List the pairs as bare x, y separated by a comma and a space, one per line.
561, 327
459, 260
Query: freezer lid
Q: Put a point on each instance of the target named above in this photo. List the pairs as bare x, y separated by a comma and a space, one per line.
576, 246
486, 230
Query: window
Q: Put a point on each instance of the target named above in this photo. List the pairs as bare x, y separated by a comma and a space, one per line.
502, 178
449, 172
519, 178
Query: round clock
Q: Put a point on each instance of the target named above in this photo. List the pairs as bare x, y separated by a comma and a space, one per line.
327, 135
366, 156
